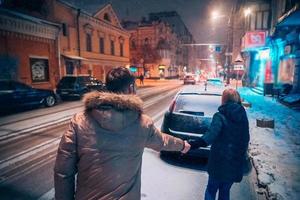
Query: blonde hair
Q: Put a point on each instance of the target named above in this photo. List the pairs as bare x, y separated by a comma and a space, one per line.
230, 95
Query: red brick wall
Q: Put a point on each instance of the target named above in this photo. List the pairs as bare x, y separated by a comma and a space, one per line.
98, 72
23, 47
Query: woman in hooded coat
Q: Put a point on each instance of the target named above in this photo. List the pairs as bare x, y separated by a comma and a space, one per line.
229, 138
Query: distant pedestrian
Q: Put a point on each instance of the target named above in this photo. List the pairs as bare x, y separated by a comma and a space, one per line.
104, 144
229, 138
141, 77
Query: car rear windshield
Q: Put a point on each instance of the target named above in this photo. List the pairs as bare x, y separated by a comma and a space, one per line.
198, 104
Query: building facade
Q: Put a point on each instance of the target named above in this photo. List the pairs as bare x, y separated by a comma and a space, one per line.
269, 45
153, 49
28, 50
84, 42
91, 41
186, 54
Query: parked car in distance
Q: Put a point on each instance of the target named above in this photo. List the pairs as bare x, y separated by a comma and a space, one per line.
14, 94
189, 79
189, 117
77, 86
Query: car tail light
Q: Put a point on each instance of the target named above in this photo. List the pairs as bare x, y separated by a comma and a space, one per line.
172, 106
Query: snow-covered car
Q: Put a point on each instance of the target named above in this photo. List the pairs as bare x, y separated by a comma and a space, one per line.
189, 117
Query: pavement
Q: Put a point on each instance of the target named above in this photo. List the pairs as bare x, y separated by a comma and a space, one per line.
275, 152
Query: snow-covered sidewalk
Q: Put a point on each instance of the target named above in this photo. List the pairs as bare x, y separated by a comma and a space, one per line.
275, 152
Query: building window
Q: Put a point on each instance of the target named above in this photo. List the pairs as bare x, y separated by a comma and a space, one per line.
121, 49
101, 45
262, 20
65, 29
258, 20
252, 22
106, 17
39, 69
146, 41
133, 45
69, 67
112, 47
88, 42
265, 20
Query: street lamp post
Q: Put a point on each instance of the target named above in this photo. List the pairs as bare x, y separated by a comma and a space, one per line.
215, 15
228, 52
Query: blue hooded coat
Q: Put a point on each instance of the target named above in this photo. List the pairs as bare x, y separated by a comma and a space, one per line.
229, 138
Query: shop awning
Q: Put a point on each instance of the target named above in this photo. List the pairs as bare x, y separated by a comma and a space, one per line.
73, 57
290, 19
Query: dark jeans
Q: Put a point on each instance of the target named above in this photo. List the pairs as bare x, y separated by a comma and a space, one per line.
214, 185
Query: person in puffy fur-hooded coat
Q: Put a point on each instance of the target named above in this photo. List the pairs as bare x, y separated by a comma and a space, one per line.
104, 144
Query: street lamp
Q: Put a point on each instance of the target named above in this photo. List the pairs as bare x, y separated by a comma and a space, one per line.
247, 12
215, 14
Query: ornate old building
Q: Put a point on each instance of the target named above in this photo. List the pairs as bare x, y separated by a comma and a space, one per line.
153, 48
87, 41
92, 41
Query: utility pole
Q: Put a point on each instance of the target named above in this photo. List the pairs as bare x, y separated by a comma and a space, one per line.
229, 43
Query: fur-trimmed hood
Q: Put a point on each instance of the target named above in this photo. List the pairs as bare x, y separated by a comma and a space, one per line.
114, 111
119, 102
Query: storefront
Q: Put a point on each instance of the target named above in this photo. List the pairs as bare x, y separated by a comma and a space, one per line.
258, 64
287, 36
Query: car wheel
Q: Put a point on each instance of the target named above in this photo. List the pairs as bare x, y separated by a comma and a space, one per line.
50, 101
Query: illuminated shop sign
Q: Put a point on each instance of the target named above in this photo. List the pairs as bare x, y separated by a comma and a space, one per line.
254, 39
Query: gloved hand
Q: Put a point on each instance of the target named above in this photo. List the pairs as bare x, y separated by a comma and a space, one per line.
195, 144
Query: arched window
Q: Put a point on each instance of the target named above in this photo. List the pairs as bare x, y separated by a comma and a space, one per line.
107, 17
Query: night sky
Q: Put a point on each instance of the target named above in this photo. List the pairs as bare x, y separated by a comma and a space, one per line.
195, 14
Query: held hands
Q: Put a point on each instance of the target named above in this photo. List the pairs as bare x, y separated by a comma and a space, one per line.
186, 148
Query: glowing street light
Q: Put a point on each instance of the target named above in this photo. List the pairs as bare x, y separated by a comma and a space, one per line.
247, 12
215, 14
